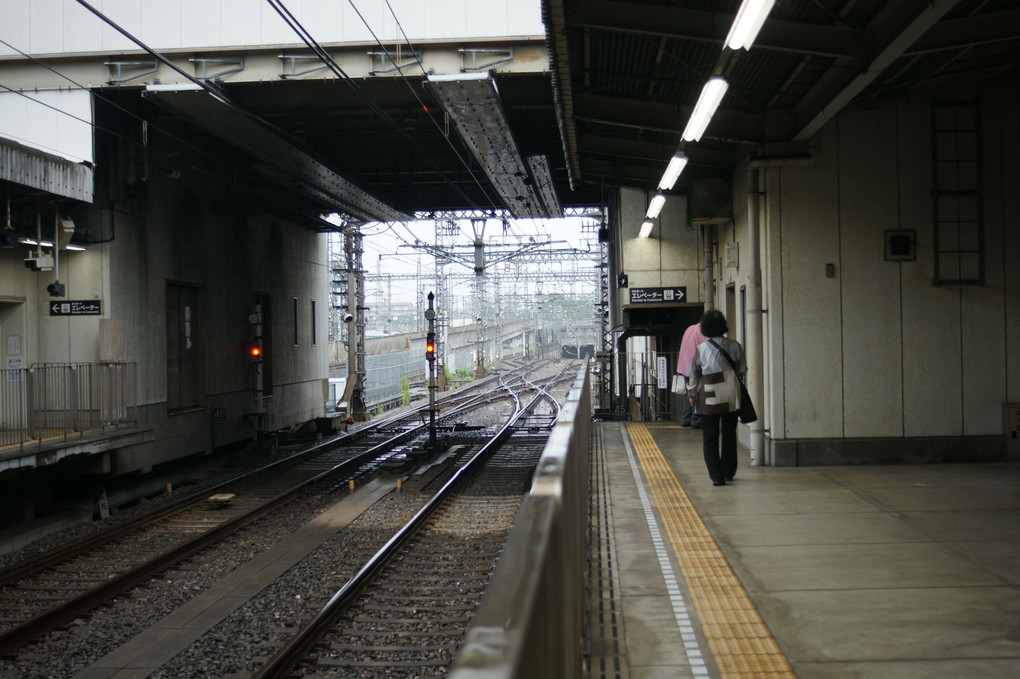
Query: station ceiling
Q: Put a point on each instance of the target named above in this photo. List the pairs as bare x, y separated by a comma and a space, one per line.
608, 111
628, 74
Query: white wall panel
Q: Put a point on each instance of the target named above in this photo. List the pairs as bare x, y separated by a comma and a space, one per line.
915, 359
1009, 139
73, 129
241, 22
125, 13
931, 314
984, 362
524, 18
84, 274
45, 30
17, 25
983, 308
412, 18
872, 370
773, 412
324, 20
80, 30
54, 26
200, 24
813, 396
354, 28
487, 20
681, 249
14, 117
162, 22
57, 122
671, 256
449, 17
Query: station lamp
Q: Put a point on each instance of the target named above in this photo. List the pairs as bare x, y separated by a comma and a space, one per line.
655, 206
711, 95
676, 165
749, 20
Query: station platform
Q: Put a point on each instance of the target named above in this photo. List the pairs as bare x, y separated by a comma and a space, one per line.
880, 572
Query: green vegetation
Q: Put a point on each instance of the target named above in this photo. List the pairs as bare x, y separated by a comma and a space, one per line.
405, 391
462, 374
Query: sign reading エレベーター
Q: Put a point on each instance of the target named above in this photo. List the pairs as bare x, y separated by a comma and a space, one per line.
653, 295
84, 307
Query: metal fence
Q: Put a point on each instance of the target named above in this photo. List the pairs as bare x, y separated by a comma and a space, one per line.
384, 372
65, 400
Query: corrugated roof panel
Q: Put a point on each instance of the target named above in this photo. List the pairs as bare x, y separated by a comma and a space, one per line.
39, 170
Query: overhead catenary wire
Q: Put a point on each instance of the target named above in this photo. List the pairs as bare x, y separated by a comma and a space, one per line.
201, 152
421, 66
330, 63
414, 94
217, 92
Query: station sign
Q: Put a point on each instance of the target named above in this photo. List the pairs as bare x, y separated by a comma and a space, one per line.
658, 295
83, 307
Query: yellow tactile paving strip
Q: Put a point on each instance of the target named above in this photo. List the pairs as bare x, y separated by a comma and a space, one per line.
740, 643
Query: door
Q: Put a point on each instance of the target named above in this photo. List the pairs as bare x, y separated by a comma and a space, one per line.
183, 347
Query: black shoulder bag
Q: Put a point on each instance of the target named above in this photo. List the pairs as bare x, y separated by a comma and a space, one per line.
746, 412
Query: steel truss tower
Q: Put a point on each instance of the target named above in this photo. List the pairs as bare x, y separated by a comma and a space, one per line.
505, 272
347, 317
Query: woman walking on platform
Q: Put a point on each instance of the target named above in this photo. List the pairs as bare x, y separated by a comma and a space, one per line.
714, 392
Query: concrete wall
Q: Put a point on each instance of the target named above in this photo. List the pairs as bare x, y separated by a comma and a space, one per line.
180, 232
670, 256
877, 351
64, 26
188, 232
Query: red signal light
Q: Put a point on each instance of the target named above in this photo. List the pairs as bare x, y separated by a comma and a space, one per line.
430, 347
255, 352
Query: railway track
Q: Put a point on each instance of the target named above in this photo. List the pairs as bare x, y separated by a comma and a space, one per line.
405, 613
410, 621
39, 597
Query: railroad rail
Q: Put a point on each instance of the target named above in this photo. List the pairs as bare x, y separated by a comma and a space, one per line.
424, 540
67, 583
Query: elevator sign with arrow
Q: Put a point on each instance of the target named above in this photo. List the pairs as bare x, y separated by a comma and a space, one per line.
84, 307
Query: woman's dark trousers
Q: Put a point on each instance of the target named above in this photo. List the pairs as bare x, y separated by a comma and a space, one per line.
721, 467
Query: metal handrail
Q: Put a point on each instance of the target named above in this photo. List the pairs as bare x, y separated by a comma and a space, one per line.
65, 400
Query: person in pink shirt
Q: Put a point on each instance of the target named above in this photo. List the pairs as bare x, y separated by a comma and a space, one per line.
692, 338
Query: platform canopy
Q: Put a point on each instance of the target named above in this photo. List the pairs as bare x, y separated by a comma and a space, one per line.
526, 125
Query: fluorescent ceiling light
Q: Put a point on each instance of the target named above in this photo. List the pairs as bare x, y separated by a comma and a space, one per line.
173, 87
711, 94
646, 228
676, 165
749, 20
655, 206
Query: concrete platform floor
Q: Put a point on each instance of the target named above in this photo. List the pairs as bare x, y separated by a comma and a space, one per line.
890, 572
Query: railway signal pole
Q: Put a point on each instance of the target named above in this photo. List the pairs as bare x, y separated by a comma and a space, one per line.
430, 356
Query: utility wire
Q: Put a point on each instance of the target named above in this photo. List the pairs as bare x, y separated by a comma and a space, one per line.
214, 91
113, 134
330, 63
421, 66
